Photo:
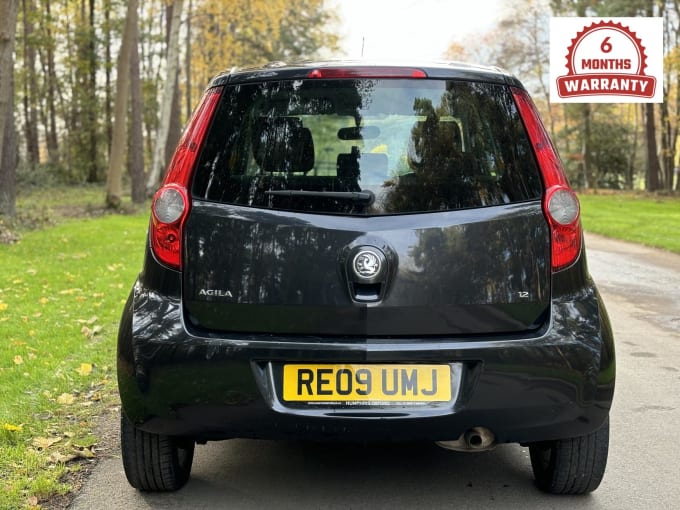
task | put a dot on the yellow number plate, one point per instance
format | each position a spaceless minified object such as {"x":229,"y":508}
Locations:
{"x":367,"y":383}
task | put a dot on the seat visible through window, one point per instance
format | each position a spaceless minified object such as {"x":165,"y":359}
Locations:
{"x":281,"y":144}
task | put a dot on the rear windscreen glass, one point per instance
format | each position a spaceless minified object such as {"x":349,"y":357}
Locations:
{"x":367,"y":147}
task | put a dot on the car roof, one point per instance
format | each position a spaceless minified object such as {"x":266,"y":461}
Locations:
{"x":433,"y":69}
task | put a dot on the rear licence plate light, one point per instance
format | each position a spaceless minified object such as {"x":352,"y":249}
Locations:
{"x":366,"y":384}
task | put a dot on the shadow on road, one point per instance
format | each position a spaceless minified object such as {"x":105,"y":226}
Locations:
{"x":264,"y":474}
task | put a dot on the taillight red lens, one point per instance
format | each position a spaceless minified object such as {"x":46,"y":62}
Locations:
{"x":171,"y":202}
{"x":366,"y":72}
{"x":560,"y":204}
{"x":169,"y":209}
{"x":563,"y":212}
{"x":182,"y":164}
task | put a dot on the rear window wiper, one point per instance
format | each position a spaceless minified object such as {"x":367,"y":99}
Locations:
{"x":366,"y":197}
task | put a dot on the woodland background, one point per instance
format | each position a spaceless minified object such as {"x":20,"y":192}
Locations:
{"x":97,"y":91}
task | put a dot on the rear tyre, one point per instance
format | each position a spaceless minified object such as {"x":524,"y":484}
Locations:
{"x":154,"y":462}
{"x":571,"y":466}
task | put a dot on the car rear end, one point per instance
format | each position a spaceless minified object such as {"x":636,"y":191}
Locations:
{"x":354,"y":252}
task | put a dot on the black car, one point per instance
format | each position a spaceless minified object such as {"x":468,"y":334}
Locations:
{"x":353,"y":252}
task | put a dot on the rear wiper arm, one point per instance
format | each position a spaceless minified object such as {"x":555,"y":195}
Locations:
{"x":358,"y":196}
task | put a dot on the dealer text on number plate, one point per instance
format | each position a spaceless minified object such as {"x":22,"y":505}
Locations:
{"x":366,"y":383}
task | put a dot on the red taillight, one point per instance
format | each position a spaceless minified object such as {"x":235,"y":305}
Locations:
{"x":560,"y":204}
{"x":562,"y":210}
{"x":366,"y":72}
{"x":171,"y":203}
{"x":182,"y":164}
{"x":168,"y":210}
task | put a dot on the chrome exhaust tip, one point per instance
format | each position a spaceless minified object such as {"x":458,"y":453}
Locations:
{"x":476,"y":439}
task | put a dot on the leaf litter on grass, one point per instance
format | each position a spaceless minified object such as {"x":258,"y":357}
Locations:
{"x":56,"y":376}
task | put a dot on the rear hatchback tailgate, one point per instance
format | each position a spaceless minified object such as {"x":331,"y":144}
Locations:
{"x":367,"y":207}
{"x":467,"y":272}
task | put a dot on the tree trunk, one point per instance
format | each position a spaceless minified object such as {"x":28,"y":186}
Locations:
{"x":674,"y":135}
{"x":585,"y":147}
{"x":8,"y":24}
{"x":91,"y":98}
{"x":666,"y":154}
{"x":51,"y":140}
{"x":175,"y":129}
{"x":136,"y":160}
{"x":8,"y":164}
{"x":187,"y":64}
{"x":167,"y":100}
{"x":30,"y":89}
{"x":107,"y":74}
{"x":119,"y":139}
{"x":633,"y":151}
{"x":653,"y":167}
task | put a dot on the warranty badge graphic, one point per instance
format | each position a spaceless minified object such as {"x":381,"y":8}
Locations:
{"x":607,"y":60}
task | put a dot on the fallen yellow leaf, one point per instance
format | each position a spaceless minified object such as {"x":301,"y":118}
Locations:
{"x":84,"y":453}
{"x":3,"y":307}
{"x":43,"y":300}
{"x":69,"y":291}
{"x":65,"y":399}
{"x":45,"y":442}
{"x":60,"y":458}
{"x":85,"y":369}
{"x":12,"y":428}
{"x":18,"y":360}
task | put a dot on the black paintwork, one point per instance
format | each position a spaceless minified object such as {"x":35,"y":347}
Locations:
{"x":300,"y":70}
{"x":553,"y":383}
{"x":451,"y":273}
{"x":209,"y":366}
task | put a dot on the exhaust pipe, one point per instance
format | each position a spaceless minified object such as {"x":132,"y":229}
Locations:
{"x":476,"y":439}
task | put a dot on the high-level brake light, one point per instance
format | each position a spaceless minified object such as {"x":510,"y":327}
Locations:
{"x":366,"y":72}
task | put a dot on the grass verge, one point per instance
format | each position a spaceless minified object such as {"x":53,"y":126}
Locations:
{"x":644,"y":219}
{"x":61,"y":294}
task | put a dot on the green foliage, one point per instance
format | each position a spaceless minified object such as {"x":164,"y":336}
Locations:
{"x":61,"y":293}
{"x":246,"y":33}
{"x":612,"y":144}
{"x":610,"y":152}
{"x":65,"y":68}
{"x":638,"y":218}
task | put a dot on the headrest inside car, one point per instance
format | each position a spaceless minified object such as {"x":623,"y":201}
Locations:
{"x":282,"y":144}
{"x":433,"y":141}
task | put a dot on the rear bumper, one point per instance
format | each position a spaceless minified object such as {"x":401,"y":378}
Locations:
{"x":557,"y":384}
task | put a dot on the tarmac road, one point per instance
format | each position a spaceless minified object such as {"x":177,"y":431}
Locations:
{"x":641,"y":288}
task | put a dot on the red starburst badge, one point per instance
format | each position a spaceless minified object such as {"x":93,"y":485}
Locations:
{"x":606,"y":58}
